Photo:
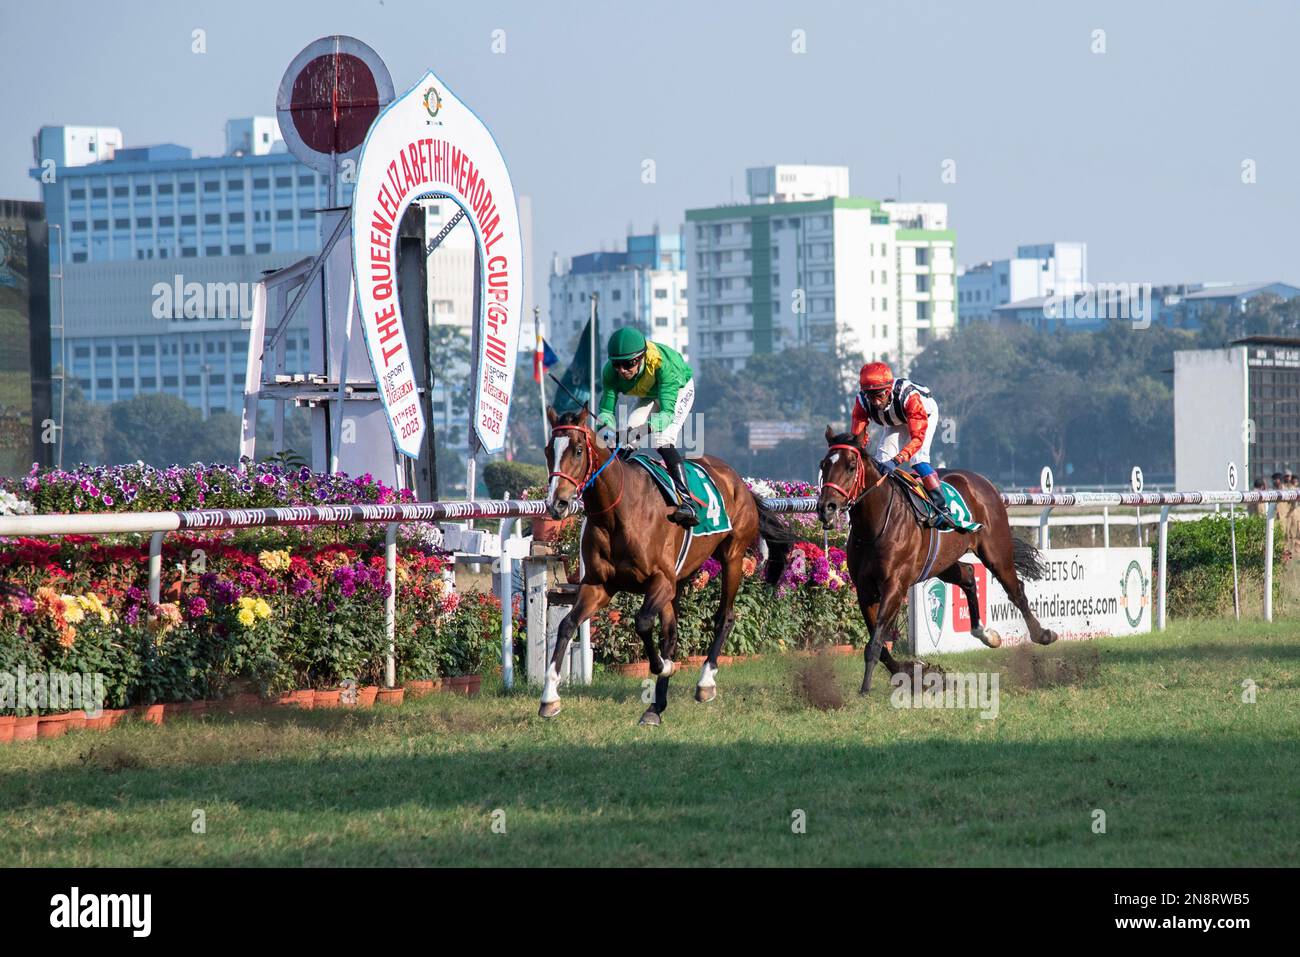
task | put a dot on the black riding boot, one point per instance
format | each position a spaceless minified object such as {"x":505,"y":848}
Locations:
{"x":685,"y":514}
{"x":937,"y":500}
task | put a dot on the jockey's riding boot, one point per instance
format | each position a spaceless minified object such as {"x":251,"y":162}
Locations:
{"x":937,"y":500}
{"x":684,"y":514}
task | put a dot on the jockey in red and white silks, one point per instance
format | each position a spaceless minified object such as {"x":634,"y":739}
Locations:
{"x":908,"y":416}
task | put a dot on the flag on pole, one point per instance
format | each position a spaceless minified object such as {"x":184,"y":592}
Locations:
{"x":543,"y":358}
{"x":578,"y":377}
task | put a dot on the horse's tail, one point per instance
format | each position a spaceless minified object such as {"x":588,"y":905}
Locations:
{"x":1028,"y":560}
{"x":774,"y":540}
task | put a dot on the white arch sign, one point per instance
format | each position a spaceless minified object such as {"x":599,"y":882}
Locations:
{"x":428,"y":141}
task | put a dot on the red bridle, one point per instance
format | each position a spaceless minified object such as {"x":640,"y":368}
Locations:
{"x":591,"y":472}
{"x":858,"y":487}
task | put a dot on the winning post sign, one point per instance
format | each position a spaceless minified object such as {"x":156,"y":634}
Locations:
{"x":428,"y":142}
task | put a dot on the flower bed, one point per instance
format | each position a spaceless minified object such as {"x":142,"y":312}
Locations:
{"x":258,"y":610}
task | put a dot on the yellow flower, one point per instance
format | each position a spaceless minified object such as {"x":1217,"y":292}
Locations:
{"x":247,"y":603}
{"x":261,"y":608}
{"x":246,"y":617}
{"x":73,"y":613}
{"x":274,"y":561}
{"x":90,"y":602}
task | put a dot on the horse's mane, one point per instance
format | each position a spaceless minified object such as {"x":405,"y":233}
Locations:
{"x":844,"y":438}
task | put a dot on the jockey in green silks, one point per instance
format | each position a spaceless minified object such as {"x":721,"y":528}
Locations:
{"x":659,"y":378}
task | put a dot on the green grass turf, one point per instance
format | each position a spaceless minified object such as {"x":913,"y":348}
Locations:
{"x":1151,"y":730}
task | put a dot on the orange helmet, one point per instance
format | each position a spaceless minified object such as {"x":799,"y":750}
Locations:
{"x":875,"y":375}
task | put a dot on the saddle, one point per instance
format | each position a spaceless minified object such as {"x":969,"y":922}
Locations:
{"x":958,"y":517}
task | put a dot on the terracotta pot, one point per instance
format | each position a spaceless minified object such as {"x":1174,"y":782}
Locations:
{"x":102,"y":723}
{"x":391,"y":695}
{"x":366,"y":696}
{"x":176,"y":709}
{"x":6,"y":728}
{"x":467,"y":685}
{"x":115,"y":716}
{"x":197,"y":708}
{"x":326,"y":699}
{"x":242,"y":702}
{"x":726,"y":660}
{"x":547,"y":529}
{"x":151,"y":713}
{"x":285,"y":699}
{"x":76,"y":720}
{"x":842,"y":650}
{"x":418,"y":689}
{"x":53,"y":725}
{"x":696,"y":661}
{"x":636,"y":669}
{"x":25,"y":728}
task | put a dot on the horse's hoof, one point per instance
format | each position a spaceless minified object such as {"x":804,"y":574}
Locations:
{"x":651,"y":718}
{"x":707,"y":693}
{"x":548,"y":709}
{"x":987,"y":635}
{"x":1047,"y":637}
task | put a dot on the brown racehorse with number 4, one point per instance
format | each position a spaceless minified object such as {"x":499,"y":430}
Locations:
{"x":889,"y":550}
{"x":629,"y":545}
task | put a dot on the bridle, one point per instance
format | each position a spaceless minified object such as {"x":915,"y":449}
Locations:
{"x":592,"y":473}
{"x":857,"y":489}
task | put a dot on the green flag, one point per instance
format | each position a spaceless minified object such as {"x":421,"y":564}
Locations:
{"x":578,"y":376}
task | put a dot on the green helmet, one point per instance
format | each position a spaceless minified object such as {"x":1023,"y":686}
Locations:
{"x":626,"y":343}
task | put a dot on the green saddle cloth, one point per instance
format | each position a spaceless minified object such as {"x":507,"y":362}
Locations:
{"x":713,"y":516}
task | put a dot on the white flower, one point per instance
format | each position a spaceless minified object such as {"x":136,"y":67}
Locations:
{"x":11,"y":504}
{"x":761,"y":488}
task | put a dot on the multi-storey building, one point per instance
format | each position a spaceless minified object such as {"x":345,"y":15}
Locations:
{"x":643,"y":286}
{"x":805,"y":264}
{"x":159,"y":252}
{"x":1040,"y":270}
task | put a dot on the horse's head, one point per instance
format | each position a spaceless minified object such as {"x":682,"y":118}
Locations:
{"x":570,"y":457}
{"x":846,"y":473}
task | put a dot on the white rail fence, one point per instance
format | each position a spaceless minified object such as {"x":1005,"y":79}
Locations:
{"x":510,"y":545}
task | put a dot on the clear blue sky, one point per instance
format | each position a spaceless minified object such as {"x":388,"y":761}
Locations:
{"x":1137,"y":151}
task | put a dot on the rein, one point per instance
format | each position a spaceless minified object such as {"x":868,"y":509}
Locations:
{"x":592,"y":473}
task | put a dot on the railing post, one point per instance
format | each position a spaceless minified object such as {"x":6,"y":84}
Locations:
{"x":1044,"y":532}
{"x":155,"y":567}
{"x":1269,"y":512}
{"x":505,"y":591}
{"x":390,"y":605}
{"x":1164,"y":566}
{"x":1105,"y":526}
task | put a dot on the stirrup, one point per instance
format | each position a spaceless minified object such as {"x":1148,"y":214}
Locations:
{"x":684,"y":515}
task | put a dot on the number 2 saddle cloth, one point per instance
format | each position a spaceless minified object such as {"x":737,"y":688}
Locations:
{"x":959,"y":513}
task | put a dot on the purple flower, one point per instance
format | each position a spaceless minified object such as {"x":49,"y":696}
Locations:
{"x":348,"y":588}
{"x":301,"y":586}
{"x":198,"y":607}
{"x":711,"y":567}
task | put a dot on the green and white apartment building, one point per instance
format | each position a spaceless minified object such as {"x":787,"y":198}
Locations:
{"x":804,"y":263}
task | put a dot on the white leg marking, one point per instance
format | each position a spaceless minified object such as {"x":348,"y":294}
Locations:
{"x":667,"y":670}
{"x":707,"y":676}
{"x":551,"y":689}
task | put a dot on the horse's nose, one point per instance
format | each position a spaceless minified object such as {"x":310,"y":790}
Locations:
{"x":557,"y":508}
{"x":827,"y":512}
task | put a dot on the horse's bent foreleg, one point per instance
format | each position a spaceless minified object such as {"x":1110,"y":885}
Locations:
{"x":591,"y":599}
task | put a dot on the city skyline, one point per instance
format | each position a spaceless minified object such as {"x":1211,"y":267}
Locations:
{"x":1056,"y":151}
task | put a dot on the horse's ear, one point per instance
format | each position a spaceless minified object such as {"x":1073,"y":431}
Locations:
{"x":586,"y":414}
{"x":830,"y":434}
{"x":551,"y":417}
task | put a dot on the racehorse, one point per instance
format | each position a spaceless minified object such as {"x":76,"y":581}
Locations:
{"x":628,"y":545}
{"x":889,"y":551}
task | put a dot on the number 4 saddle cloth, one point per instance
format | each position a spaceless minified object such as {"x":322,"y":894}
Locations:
{"x":959,"y":513}
{"x":708,"y":500}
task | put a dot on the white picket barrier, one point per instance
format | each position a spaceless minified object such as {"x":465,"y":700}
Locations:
{"x":510,"y":546}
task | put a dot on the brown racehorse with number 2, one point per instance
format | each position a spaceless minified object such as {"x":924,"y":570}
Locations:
{"x":888,"y":548}
{"x":628,"y":545}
